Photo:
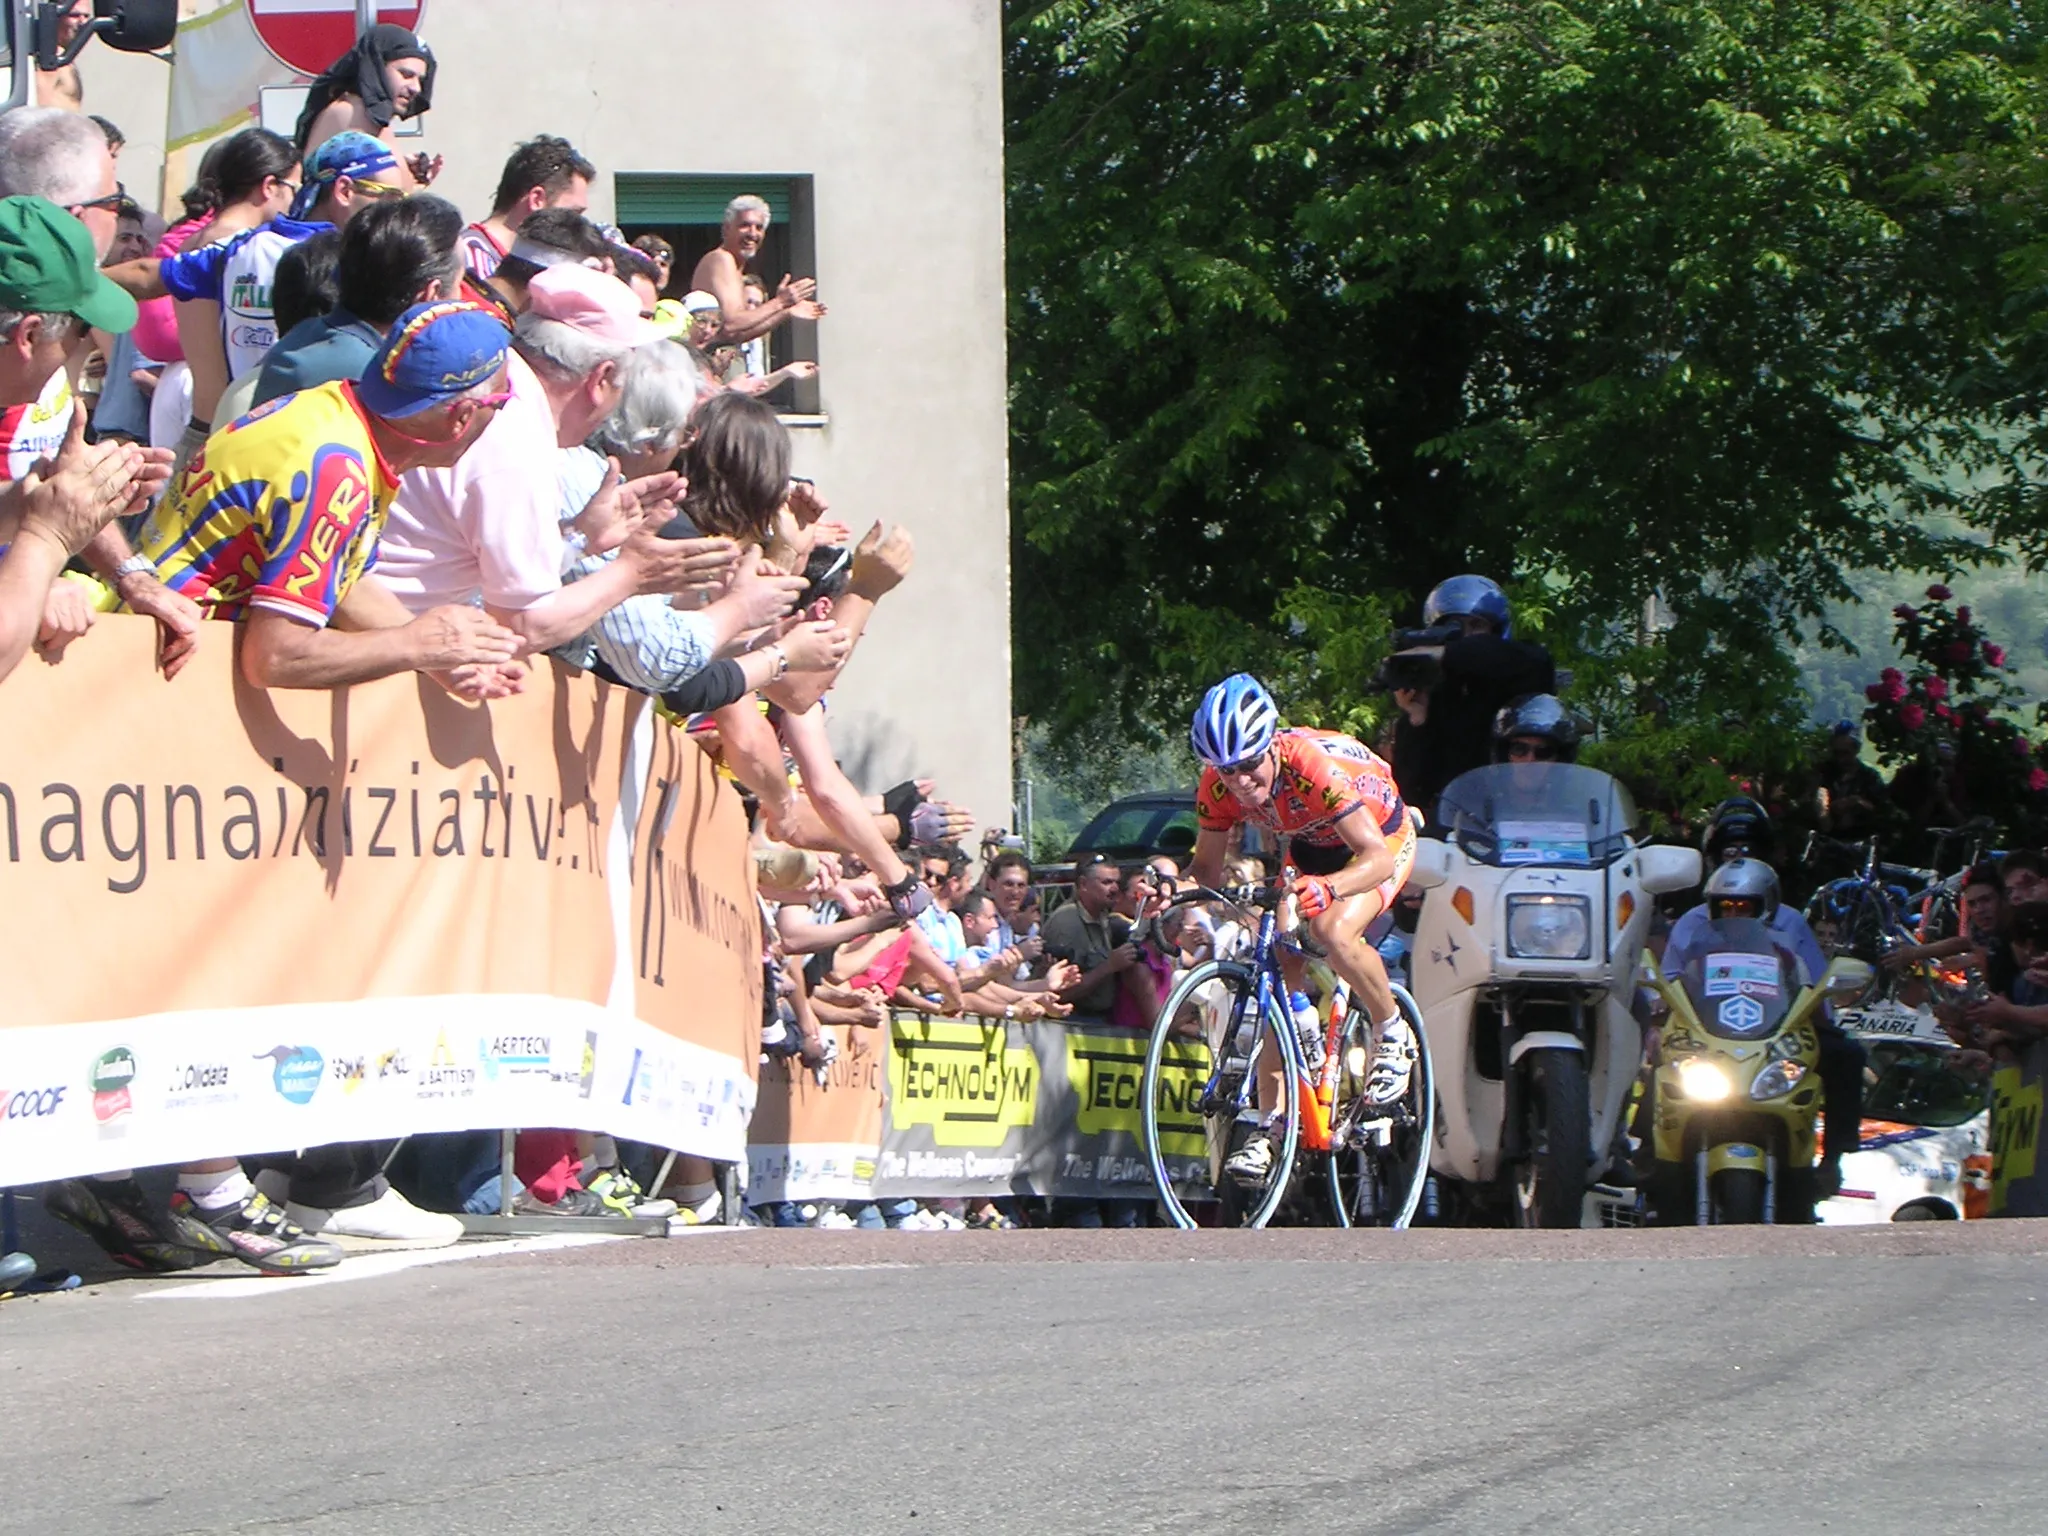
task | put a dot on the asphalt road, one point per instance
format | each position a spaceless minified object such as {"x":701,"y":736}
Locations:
{"x":1868,"y":1380}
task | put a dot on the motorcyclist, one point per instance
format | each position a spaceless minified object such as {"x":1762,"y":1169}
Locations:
{"x":1448,"y":709}
{"x":1535,"y":729}
{"x":1740,"y":833}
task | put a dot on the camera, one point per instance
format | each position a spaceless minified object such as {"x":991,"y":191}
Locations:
{"x":1416,"y":664}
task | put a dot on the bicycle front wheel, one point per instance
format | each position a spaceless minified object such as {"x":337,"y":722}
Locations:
{"x":1202,"y":1101}
{"x":1379,"y":1153}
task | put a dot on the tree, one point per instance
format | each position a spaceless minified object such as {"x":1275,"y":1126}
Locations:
{"x":1316,"y":302}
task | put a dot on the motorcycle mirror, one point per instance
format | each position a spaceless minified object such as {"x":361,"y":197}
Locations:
{"x":129,"y":26}
{"x":1846,"y":977}
{"x":1432,"y":864}
{"x":1665,"y":868}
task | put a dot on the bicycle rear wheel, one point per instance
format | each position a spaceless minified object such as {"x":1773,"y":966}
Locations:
{"x":1202,"y":1103}
{"x":1379,"y":1154}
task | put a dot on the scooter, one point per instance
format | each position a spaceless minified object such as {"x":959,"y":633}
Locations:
{"x":1738,"y":1080}
{"x":1536,"y":905}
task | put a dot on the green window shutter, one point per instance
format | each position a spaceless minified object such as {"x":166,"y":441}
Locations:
{"x":663,"y":198}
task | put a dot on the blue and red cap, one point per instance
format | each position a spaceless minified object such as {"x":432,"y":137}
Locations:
{"x":433,"y":354}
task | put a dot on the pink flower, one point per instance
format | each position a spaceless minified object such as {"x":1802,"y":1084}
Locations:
{"x":1894,"y":690}
{"x":1963,"y":614}
{"x":1937,"y":688}
{"x":1890,"y":675}
{"x":1904,"y":611}
{"x":1874,"y":693}
{"x":2037,"y":780}
{"x":1939,"y":593}
{"x":1944,"y":714}
{"x":1912,"y":717}
{"x":1995,"y":654}
{"x":1957,"y":650}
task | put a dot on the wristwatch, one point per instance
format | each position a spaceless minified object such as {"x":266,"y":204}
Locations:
{"x":134,"y":565}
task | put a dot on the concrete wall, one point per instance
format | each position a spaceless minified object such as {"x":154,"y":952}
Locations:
{"x":894,"y":107}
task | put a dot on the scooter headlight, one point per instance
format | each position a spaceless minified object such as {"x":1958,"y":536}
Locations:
{"x":1550,"y":928}
{"x":1777,"y":1080}
{"x":1704,"y":1082}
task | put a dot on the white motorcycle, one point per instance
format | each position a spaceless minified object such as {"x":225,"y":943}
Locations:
{"x":1536,"y":905}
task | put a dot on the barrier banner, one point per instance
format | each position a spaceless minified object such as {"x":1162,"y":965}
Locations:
{"x":965,"y":1107}
{"x":241,"y":921}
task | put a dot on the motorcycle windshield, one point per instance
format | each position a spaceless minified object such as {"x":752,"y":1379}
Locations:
{"x":1556,"y":814}
{"x":1741,"y":981}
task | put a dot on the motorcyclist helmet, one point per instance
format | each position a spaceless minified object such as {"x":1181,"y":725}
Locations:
{"x":1535,"y":728}
{"x":1468,"y":597}
{"x":1739,"y":822}
{"x":1235,"y":722}
{"x":1743,"y":888}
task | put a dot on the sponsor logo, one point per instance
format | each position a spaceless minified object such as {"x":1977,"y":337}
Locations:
{"x":393,"y":1064}
{"x":30,"y":1103}
{"x":348,"y":1071}
{"x":516,"y":1056}
{"x":589,"y":1074}
{"x":199,"y":1082}
{"x":295,"y":1071}
{"x":1742,"y":1013}
{"x":110,"y":1079}
{"x":443,"y":1077}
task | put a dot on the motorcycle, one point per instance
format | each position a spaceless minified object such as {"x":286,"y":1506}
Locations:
{"x":1738,"y":1080}
{"x":1535,"y":908}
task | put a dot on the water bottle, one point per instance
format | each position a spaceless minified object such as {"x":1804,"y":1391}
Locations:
{"x":1309,"y":1027}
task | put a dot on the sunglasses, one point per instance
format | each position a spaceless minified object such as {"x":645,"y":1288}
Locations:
{"x":113,"y":199}
{"x":1531,"y":752}
{"x":495,"y":401}
{"x":378,"y":188}
{"x":1239,"y":770}
{"x":1093,"y":861}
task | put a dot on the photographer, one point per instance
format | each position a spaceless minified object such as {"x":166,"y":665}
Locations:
{"x":1451,"y":678}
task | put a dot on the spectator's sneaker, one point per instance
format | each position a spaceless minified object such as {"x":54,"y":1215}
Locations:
{"x":989,"y":1219}
{"x":1251,"y":1163}
{"x":706,"y":1212}
{"x":622,"y":1195}
{"x":260,"y":1234}
{"x":920,"y":1221}
{"x":15,"y":1268}
{"x":832,"y":1219}
{"x":388,"y":1222}
{"x":574,"y":1202}
{"x":119,"y":1217}
{"x":946,"y":1221}
{"x":1393,"y":1063}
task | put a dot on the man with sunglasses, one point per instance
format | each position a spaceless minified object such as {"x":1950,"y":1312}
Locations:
{"x":276,"y":522}
{"x":1350,"y":841}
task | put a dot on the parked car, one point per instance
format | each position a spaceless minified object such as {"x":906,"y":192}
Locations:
{"x":1141,"y":827}
{"x":1925,"y":1145}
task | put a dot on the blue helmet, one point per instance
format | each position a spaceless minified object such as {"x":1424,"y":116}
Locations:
{"x":1461,"y":595}
{"x":1235,"y":721}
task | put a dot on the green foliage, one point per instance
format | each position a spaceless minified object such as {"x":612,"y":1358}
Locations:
{"x":1316,"y":302}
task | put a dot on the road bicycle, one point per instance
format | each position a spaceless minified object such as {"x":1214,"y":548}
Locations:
{"x":1203,"y":1084}
{"x":1862,"y":915}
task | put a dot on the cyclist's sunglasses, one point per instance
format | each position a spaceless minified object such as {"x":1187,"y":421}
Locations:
{"x":1238,"y":770}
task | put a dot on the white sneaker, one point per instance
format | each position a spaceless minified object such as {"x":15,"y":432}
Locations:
{"x":1253,"y":1162}
{"x":1393,"y":1063}
{"x":707,"y":1211}
{"x":833,"y":1219}
{"x":390,"y":1221}
{"x":920,"y":1221}
{"x":946,"y":1221}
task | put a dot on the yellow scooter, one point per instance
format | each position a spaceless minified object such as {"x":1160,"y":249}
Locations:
{"x":1738,"y":1081}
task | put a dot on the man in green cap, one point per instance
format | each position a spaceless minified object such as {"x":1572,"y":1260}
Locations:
{"x":50,"y":291}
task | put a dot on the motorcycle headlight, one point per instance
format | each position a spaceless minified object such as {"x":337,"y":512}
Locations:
{"x":1703,"y":1081}
{"x":1777,"y":1080}
{"x":1550,"y":928}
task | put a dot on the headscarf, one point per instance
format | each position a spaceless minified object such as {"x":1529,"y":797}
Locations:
{"x":360,"y":73}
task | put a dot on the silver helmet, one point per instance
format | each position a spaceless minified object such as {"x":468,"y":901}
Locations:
{"x":1748,"y":881}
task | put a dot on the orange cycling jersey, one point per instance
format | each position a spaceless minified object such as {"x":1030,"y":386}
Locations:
{"x":1321,"y":777}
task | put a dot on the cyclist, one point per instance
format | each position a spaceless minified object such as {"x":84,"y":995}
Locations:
{"x":1350,"y":842}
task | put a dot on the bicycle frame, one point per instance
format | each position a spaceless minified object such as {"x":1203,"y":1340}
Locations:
{"x":1318,"y":1089}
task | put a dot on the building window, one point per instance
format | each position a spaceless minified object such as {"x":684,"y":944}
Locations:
{"x":689,"y":211}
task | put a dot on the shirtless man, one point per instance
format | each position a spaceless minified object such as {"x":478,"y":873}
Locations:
{"x":61,"y":87}
{"x":722,"y":271}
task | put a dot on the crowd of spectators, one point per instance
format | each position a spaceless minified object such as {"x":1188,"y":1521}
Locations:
{"x":526,"y":446}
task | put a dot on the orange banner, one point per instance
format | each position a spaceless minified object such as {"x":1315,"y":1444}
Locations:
{"x":334,"y":916}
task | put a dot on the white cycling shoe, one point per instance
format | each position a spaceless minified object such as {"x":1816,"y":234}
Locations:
{"x":1251,"y":1163}
{"x":1393,"y":1065}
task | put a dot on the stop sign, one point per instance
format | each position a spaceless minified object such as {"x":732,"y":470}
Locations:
{"x":309,"y":35}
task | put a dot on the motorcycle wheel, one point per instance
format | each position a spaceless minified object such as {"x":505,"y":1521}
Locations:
{"x":1738,"y":1196}
{"x":1175,"y":1121}
{"x":1550,"y":1185}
